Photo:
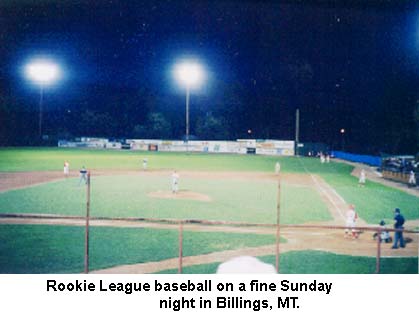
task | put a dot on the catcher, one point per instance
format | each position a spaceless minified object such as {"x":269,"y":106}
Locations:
{"x":384,"y":235}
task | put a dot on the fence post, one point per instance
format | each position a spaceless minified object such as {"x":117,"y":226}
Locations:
{"x":180,"y":246}
{"x":278,"y":207}
{"x":86,"y":240}
{"x":377,"y":264}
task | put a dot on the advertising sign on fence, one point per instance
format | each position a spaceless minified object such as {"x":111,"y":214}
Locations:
{"x":272,"y":147}
{"x":241,"y":146}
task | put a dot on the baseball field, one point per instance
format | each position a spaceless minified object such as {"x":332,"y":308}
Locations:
{"x":37,"y":234}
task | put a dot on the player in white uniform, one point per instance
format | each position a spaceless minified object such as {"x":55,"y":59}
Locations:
{"x":351,"y":217}
{"x":361,"y":181}
{"x":277,"y":167}
{"x":66,"y":168}
{"x":322,"y":160}
{"x":412,"y":179}
{"x":175,"y":182}
{"x":145,"y":164}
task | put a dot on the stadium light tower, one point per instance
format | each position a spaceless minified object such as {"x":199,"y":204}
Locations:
{"x":189,"y":74}
{"x":342,"y":132}
{"x":42,"y":72}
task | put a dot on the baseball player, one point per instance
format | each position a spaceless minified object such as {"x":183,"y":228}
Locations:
{"x":327,"y":158}
{"x":277,"y":167}
{"x":384,"y":235}
{"x":361,"y":181}
{"x":66,"y":168}
{"x":145,"y":164}
{"x":83,"y":175}
{"x":175,"y":182}
{"x":351,"y":217}
{"x":322,"y":160}
{"x":412,"y":179}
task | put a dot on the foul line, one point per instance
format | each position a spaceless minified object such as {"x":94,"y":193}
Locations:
{"x":336,"y":193}
{"x":324,"y":191}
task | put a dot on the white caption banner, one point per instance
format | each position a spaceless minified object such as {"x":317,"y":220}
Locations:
{"x":221,"y":293}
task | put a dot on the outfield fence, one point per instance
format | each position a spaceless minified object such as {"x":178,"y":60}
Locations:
{"x":365,"y":159}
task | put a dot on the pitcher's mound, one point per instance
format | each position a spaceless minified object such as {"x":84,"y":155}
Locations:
{"x":181,"y":195}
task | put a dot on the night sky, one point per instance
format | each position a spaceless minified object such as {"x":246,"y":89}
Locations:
{"x":354,"y":65}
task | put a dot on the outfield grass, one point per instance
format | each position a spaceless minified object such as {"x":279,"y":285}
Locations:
{"x":42,"y":159}
{"x":126,"y":196}
{"x":317,"y":262}
{"x":60,"y":249}
{"x":52,"y":159}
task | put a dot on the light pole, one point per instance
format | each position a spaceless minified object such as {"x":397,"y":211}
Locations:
{"x":42,"y":72}
{"x":342,"y":131}
{"x":190,"y":75}
{"x":187,"y":113}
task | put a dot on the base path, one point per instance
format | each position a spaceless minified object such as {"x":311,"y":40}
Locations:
{"x":297,"y":239}
{"x":327,"y":240}
{"x":336,"y":204}
{"x":20,"y":180}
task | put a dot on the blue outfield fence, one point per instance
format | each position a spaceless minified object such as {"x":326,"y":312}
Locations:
{"x":365,"y":159}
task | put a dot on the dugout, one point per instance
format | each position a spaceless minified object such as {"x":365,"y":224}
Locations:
{"x":398,"y":168}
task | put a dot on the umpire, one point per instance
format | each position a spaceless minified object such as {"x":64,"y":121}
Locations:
{"x":398,"y":235}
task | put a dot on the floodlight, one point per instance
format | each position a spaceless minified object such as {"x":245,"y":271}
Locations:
{"x":189,"y":74}
{"x":42,"y":71}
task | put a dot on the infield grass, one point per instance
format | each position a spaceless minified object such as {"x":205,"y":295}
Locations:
{"x":127,"y":196}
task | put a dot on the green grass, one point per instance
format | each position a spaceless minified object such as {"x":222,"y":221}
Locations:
{"x":318,"y":262}
{"x":42,"y":159}
{"x":374,"y":201}
{"x":126,"y":196}
{"x":60,"y":249}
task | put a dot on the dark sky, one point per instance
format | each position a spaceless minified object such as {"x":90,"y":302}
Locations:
{"x":354,"y":65}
